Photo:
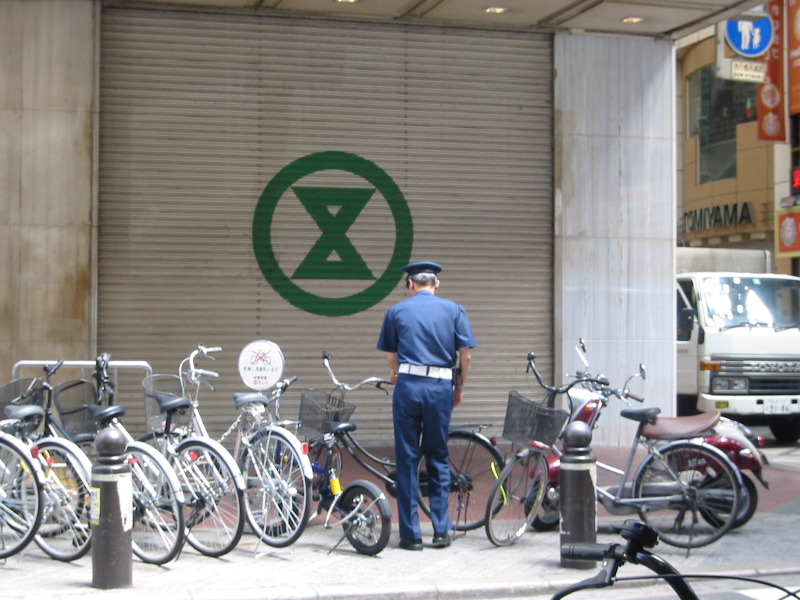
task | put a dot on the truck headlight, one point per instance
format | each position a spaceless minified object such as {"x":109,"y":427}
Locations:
{"x":729,"y":384}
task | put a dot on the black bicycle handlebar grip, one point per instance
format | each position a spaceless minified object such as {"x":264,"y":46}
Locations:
{"x":326,"y":355}
{"x":636,"y":397}
{"x":595,"y":552}
{"x":291,"y":380}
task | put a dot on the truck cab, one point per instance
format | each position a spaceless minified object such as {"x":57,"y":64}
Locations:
{"x":738,"y":347}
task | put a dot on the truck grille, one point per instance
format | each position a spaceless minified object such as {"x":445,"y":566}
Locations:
{"x":765,"y":376}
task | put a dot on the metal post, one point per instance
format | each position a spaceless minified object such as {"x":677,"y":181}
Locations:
{"x":578,"y":502}
{"x":112,"y":513}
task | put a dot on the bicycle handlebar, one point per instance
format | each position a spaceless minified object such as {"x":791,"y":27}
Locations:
{"x":589,"y":551}
{"x":378,"y":382}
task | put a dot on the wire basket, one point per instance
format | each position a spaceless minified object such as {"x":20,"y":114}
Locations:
{"x":72,"y":400}
{"x":164,"y":385}
{"x":528,"y":421}
{"x":20,"y":391}
{"x":318,"y":407}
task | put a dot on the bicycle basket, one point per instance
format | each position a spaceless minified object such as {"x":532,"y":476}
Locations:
{"x":163,"y":385}
{"x":318,"y":407}
{"x":13,"y":392}
{"x":72,"y":400}
{"x":528,"y":421}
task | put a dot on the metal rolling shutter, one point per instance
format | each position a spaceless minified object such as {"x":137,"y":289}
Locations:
{"x":200,"y":111}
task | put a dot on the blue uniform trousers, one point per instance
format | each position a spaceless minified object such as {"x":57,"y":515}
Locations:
{"x":421,"y":408}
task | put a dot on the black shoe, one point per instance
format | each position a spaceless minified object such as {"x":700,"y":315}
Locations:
{"x":441,"y":540}
{"x":410,"y":544}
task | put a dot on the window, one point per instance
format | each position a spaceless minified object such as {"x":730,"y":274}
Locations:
{"x":715,"y":107}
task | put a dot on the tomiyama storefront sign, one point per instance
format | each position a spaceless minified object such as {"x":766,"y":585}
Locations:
{"x":320,"y":226}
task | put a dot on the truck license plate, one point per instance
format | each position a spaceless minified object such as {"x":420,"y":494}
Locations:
{"x":776,"y":407}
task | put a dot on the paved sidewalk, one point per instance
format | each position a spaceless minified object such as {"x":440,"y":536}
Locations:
{"x":472,"y":568}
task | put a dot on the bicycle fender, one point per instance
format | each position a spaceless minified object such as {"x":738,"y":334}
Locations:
{"x":305,"y":462}
{"x":238,"y":478}
{"x":376,"y":491}
{"x":26,"y":452}
{"x":156,"y":456}
{"x":721,"y":456}
{"x":72,"y":448}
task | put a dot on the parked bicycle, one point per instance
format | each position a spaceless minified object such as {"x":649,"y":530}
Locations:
{"x":275,"y":472}
{"x":474,"y":460}
{"x":65,"y":529}
{"x":687,"y":489}
{"x":640,"y":538}
{"x":211,"y":480}
{"x":84,"y":408}
{"x":21,"y":496}
{"x":519,"y":491}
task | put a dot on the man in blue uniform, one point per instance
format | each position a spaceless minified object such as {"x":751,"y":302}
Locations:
{"x":424,"y":338}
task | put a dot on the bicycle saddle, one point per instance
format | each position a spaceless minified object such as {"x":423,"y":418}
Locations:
{"x":642,"y":415}
{"x":170,"y":402}
{"x":336,"y":427}
{"x":242,"y":398}
{"x":681,"y":426}
{"x":22,"y":412}
{"x":102,"y":414}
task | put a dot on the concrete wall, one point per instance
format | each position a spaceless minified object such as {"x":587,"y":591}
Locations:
{"x":48,"y":61}
{"x":615,"y":214}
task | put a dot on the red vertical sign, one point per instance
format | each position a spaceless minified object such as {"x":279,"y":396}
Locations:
{"x":793,"y":37}
{"x":771,"y":105}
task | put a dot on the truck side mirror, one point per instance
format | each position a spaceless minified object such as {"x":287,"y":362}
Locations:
{"x":685,"y":324}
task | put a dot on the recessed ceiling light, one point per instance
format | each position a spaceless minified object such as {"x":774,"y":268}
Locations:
{"x":633,"y":19}
{"x":346,"y":1}
{"x":496,"y":10}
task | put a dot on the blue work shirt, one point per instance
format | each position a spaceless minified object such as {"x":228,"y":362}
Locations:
{"x":426,"y":330}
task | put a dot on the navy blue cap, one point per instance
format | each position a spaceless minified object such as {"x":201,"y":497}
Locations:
{"x":422,"y":267}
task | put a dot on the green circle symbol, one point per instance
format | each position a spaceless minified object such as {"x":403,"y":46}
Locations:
{"x":265,"y":253}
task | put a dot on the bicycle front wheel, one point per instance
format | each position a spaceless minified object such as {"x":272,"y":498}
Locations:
{"x":278,"y":492}
{"x":65,"y":532}
{"x":475,"y":464}
{"x":21,"y":498}
{"x":366,"y":517}
{"x":214,"y":510}
{"x":516,"y":497}
{"x":158,"y":521}
{"x":690,"y":494}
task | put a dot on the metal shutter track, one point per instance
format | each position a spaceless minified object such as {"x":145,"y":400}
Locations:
{"x":200,"y":111}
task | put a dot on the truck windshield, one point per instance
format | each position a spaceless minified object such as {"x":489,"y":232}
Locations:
{"x":751,"y":301}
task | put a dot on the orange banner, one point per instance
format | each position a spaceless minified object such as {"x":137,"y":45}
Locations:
{"x":787,"y":229}
{"x":771,"y":106}
{"x":793,"y":36}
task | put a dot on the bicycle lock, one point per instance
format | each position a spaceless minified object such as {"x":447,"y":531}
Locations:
{"x":578,"y":501}
{"x":112,"y":512}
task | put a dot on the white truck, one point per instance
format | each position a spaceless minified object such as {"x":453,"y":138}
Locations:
{"x":738,"y":338}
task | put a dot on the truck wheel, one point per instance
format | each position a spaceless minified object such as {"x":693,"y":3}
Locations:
{"x":786,"y":430}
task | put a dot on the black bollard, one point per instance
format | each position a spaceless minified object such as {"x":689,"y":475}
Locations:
{"x":577,"y":499}
{"x":112,"y":513}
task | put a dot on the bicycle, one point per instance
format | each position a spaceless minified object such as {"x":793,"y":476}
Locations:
{"x":687,"y":489}
{"x":474,"y":461}
{"x":274,"y":469}
{"x":518,"y":493}
{"x":84,"y":408}
{"x":22,"y":496}
{"x":65,"y":529}
{"x":640,"y":538}
{"x":211,"y":480}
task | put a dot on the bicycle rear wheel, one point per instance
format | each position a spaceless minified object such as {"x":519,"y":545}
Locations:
{"x":65,"y":532}
{"x":278,"y":493}
{"x":214,"y":510}
{"x":475,"y":464}
{"x":516,"y":497}
{"x":692,"y":494}
{"x":21,"y":498}
{"x":158,"y":521}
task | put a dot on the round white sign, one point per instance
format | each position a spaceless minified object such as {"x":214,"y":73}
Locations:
{"x":261,"y":365}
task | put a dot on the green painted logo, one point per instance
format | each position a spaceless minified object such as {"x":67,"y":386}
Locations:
{"x":334,"y":210}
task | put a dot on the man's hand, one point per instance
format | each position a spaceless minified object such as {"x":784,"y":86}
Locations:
{"x":458,"y":395}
